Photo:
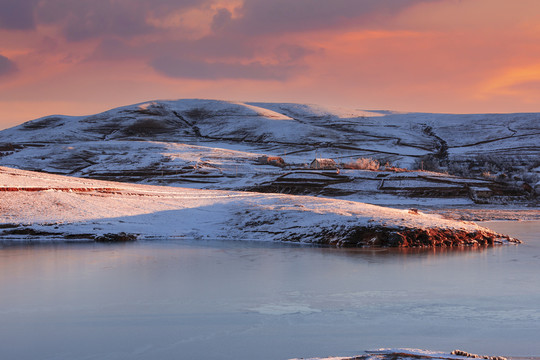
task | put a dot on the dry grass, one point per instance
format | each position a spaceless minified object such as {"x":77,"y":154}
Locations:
{"x":363,"y":164}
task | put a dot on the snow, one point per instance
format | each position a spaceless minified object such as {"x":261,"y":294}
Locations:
{"x":380,"y":132}
{"x":309,"y":175}
{"x":416,"y":183}
{"x":314,"y":110}
{"x":212,"y":144}
{"x":115,"y":140}
{"x":285,"y":309}
{"x":398,"y":354}
{"x":266,"y":112}
{"x":74,"y":205}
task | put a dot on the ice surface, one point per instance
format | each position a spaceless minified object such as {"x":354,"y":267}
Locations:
{"x":235,"y":300}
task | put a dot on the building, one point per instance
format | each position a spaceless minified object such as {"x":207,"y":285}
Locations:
{"x":323,"y":164}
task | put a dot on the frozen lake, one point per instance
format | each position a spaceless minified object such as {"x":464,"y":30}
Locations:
{"x":239,"y":300}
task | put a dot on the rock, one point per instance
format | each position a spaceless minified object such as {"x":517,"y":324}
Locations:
{"x":362,"y":236}
{"x":120,"y":237}
{"x":475,"y":356}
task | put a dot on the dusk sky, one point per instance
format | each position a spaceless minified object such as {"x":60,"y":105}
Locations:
{"x":79,"y":57}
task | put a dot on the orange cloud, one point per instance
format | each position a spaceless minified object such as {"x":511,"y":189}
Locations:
{"x":516,"y":82}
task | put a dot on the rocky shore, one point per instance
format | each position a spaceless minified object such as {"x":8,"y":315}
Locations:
{"x":404,"y":238}
{"x":361,"y":237}
{"x":412,"y":354}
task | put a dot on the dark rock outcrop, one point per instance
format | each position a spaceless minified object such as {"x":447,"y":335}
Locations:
{"x":114,"y":238}
{"x":365,"y":236}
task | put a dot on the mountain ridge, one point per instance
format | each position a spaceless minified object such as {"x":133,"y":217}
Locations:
{"x":216,"y":144}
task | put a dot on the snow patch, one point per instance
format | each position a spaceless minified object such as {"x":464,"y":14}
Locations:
{"x":284,"y":309}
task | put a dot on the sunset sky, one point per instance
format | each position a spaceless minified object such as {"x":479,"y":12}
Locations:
{"x":80,"y":57}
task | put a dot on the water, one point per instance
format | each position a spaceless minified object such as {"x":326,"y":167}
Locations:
{"x":238,"y":300}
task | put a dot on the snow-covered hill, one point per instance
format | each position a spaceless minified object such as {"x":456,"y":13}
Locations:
{"x":215,"y":144}
{"x":39,"y":206}
{"x":334,"y":132}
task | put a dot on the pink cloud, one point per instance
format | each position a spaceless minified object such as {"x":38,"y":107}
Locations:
{"x":17,"y":14}
{"x":425,"y":55}
{"x":284,"y":16}
{"x":183,"y":68}
{"x":6,"y":66}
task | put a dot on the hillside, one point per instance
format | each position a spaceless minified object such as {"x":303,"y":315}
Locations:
{"x":40,"y":207}
{"x":218,"y":145}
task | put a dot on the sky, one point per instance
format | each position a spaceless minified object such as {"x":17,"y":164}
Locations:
{"x":78,"y":57}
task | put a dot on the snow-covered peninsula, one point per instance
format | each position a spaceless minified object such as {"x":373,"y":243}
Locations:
{"x":39,"y":206}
